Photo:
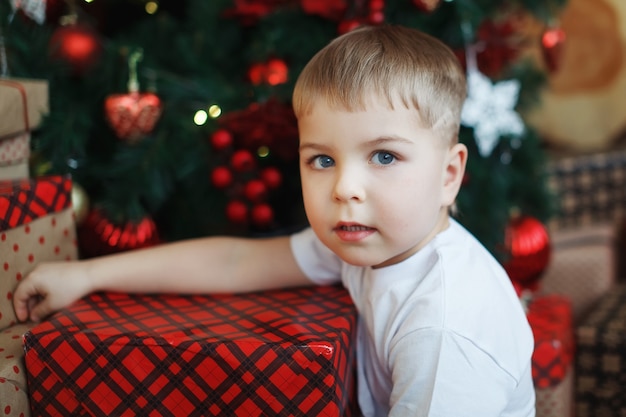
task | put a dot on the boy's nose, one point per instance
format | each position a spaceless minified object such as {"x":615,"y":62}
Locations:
{"x":348,"y":186}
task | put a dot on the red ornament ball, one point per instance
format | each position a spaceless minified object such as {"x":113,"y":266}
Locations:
{"x":242,"y":160}
{"x":255,"y":190}
{"x":99,"y":235}
{"x":262,"y":214}
{"x":271,"y":177}
{"x":221,"y":177}
{"x":221,"y":139}
{"x":527,"y":243}
{"x":237,"y":212}
{"x":77,"y":45}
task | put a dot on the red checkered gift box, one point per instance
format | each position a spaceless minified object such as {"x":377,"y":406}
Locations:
{"x":550,"y":318}
{"x":286,"y":353}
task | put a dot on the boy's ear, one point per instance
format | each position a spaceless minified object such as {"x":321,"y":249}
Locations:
{"x":454,"y":173}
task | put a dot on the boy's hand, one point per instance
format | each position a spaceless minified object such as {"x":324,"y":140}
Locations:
{"x":48,"y":288}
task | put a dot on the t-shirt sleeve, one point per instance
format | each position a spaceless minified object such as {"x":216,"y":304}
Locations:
{"x":317,"y":262}
{"x":438,"y":373}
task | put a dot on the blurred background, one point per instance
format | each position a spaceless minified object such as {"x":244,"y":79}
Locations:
{"x":174,"y":117}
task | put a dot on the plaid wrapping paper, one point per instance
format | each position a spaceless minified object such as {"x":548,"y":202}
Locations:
{"x":550,"y":317}
{"x":601,"y":358}
{"x":590,"y":188}
{"x":23,"y":102}
{"x":284,"y":353}
{"x":14,"y":154}
{"x":582,"y":266}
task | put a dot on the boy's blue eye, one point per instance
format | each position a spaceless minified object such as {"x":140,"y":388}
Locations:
{"x":383,"y":158}
{"x":323,"y":161}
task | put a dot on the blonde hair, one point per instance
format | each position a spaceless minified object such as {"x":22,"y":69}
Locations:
{"x":392,"y":62}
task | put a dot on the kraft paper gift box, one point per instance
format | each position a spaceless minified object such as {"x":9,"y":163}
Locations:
{"x":550,"y":317}
{"x":274,"y":353}
{"x":583,"y":265}
{"x":36,"y":224}
{"x":601,"y":358}
{"x":23,"y":103}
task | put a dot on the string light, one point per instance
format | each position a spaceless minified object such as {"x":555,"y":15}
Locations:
{"x":151,"y":7}
{"x":263,"y":151}
{"x":215,"y":111}
{"x":200,"y":117}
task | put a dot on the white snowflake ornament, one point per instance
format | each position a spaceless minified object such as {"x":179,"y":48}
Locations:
{"x":489,"y":109}
{"x":35,"y":9}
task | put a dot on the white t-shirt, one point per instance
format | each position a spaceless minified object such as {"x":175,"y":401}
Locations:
{"x":442,"y":333}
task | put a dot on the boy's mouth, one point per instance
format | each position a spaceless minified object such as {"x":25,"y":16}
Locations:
{"x":352,"y":232}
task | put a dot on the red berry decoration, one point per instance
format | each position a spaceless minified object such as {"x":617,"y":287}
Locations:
{"x":221,"y":139}
{"x":262,"y":214}
{"x":276,"y":72}
{"x":242,"y":161}
{"x":528,"y":245}
{"x":255,"y":190}
{"x":426,"y":5}
{"x":348,"y":25}
{"x":221,"y":177}
{"x":237,"y":212}
{"x":271,"y":177}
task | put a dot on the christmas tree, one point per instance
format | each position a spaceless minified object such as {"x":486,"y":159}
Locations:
{"x":174,"y":117}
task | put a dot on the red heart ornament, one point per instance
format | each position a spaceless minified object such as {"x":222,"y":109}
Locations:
{"x":133,"y":115}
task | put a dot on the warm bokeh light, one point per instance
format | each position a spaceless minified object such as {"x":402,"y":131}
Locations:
{"x":215,"y":111}
{"x":152,"y":7}
{"x":200,"y":117}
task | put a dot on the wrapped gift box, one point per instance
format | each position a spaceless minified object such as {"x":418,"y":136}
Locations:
{"x":590,"y":187}
{"x":582,"y":266}
{"x":13,"y":390}
{"x":36,"y":224}
{"x":550,"y":317}
{"x":14,"y":154}
{"x":287,"y":352}
{"x":23,"y":102}
{"x":601,"y":358}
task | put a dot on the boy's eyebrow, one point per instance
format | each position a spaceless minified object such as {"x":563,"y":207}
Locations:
{"x":369,"y":144}
{"x":313,"y":146}
{"x":386,"y":139}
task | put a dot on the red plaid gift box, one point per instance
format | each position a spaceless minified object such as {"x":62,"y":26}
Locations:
{"x":550,"y":318}
{"x":36,"y":224}
{"x":286,"y":353}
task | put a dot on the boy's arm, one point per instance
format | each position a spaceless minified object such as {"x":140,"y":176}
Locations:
{"x":207,"y":265}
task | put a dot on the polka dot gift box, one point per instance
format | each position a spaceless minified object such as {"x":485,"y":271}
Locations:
{"x":36,"y":225}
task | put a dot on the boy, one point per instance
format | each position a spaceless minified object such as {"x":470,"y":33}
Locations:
{"x":441,"y":330}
